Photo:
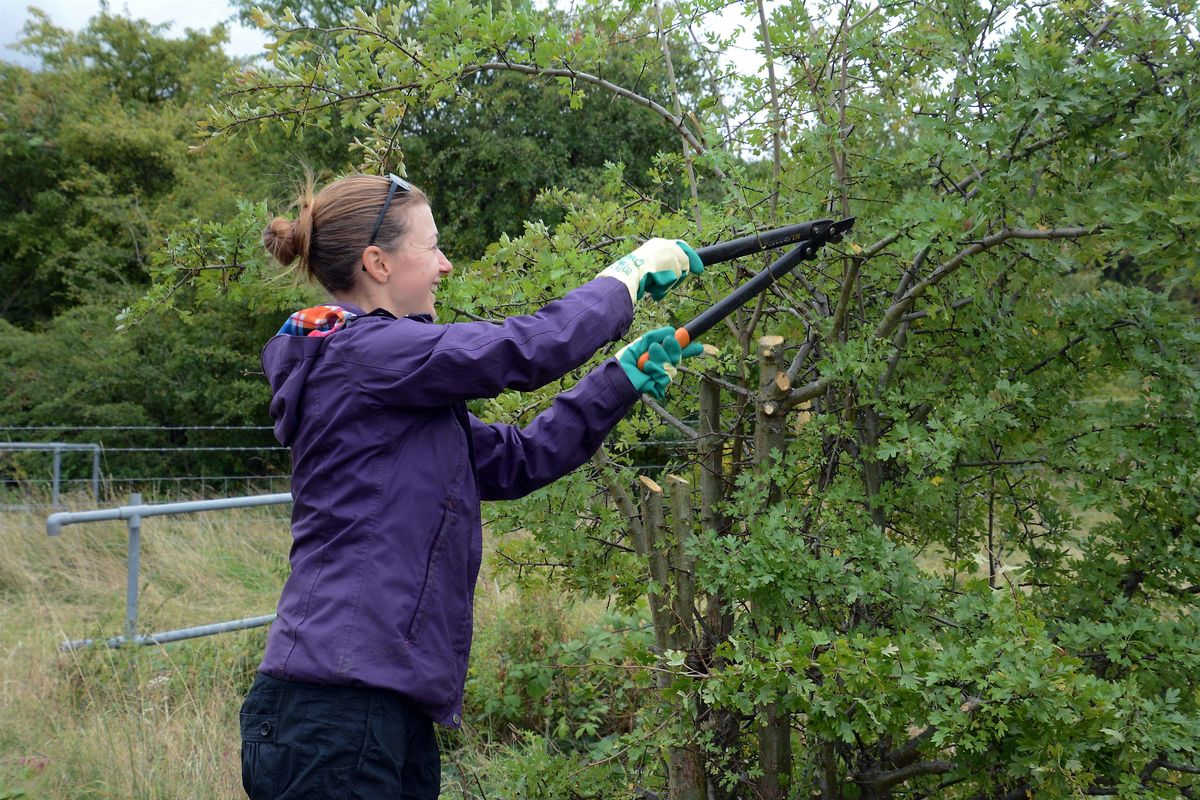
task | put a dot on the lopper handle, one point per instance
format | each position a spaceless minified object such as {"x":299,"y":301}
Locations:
{"x":681,"y":335}
{"x":808,"y":238}
{"x":759,"y":241}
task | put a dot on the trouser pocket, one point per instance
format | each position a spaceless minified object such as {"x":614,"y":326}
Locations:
{"x":260,"y":755}
{"x":301,"y":741}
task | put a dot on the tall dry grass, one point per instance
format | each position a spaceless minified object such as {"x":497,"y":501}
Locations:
{"x":150,"y":722}
{"x":159,"y":721}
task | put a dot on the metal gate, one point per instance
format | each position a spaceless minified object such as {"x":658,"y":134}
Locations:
{"x":133,"y":514}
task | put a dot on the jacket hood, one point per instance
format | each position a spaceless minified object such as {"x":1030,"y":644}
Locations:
{"x":287,"y":361}
{"x":288,"y":358}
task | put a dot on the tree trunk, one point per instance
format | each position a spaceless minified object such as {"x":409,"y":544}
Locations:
{"x":718,"y":620}
{"x":648,"y":546}
{"x":685,"y":766}
{"x":775,"y":736}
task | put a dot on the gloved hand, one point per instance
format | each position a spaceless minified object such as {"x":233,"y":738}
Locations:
{"x":665,"y":353}
{"x":655,"y":267}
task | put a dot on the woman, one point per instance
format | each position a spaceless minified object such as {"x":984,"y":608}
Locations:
{"x":388,"y":468}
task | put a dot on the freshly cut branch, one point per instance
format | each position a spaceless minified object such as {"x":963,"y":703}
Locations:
{"x":807,"y":392}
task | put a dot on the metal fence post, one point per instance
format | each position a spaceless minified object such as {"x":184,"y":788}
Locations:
{"x":131,"y":581}
{"x":96,"y":473}
{"x":56,"y":478}
{"x":54,"y":493}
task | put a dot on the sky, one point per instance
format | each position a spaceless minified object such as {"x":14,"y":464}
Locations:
{"x":74,"y":14}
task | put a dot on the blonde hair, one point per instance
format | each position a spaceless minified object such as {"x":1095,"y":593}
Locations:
{"x":333,"y":227}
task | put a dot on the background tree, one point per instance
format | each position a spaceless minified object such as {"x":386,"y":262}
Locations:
{"x":90,"y":153}
{"x":98,"y":169}
{"x":486,"y":155}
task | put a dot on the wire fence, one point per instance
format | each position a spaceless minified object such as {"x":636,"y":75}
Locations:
{"x":172,"y":463}
{"x":162,"y":463}
{"x":168,"y":463}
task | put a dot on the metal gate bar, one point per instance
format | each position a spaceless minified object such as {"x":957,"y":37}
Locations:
{"x":133,"y":514}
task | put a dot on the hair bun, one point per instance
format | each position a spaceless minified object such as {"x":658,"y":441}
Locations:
{"x":279,"y":237}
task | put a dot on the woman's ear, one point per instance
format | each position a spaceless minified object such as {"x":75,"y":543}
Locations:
{"x":375,"y":264}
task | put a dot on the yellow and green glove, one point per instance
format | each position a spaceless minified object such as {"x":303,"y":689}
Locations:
{"x":659,"y":370}
{"x":654,"y":268}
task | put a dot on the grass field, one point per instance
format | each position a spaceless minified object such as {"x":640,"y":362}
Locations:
{"x":161,"y":721}
{"x":148,"y":722}
{"x":134,"y":723}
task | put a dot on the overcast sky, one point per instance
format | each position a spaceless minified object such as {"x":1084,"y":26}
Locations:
{"x":74,"y":14}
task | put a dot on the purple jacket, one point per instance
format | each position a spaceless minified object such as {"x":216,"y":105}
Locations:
{"x":388,"y":469}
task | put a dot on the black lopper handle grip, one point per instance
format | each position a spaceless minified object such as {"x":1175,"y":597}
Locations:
{"x":757,"y":242}
{"x":820,"y":233}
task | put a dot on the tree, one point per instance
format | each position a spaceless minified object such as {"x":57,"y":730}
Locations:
{"x":97,"y":162}
{"x":92,"y":145}
{"x":486,"y":157}
{"x":97,"y":170}
{"x":947,"y":516}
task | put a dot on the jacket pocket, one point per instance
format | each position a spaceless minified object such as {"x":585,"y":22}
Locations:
{"x":431,"y":583}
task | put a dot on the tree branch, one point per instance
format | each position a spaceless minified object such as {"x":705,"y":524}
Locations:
{"x":670,"y":419}
{"x":807,"y":392}
{"x":1074,"y":340}
{"x":894,"y":314}
{"x":674,"y":121}
{"x":687,"y":153}
{"x":338,"y":100}
{"x":1186,"y":768}
{"x":849,"y":277}
{"x":910,"y":751}
{"x":733,"y":387}
{"x":607,"y":469}
{"x":957,"y":304}
{"x":883,"y":780}
{"x":776,"y":139}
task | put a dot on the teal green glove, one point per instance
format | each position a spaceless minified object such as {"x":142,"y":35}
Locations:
{"x":655,"y":267}
{"x":664,"y":352}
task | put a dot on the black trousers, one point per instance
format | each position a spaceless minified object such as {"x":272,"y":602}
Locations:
{"x":300,"y":740}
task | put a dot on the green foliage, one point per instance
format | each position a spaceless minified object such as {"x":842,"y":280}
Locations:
{"x":516,"y":139}
{"x":106,"y":191}
{"x":93,"y":143}
{"x":102,"y":161}
{"x":963,"y":563}
{"x":201,"y":368}
{"x":533,"y":768}
{"x":484,"y":157}
{"x":985,"y":546}
{"x":533,"y":673}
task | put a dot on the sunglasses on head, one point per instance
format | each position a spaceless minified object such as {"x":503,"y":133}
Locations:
{"x":397,"y":183}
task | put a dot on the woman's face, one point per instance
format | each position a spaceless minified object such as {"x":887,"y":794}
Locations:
{"x":419,"y":265}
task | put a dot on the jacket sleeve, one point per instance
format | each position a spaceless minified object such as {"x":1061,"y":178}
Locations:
{"x":414,"y":363}
{"x":512,"y":462}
